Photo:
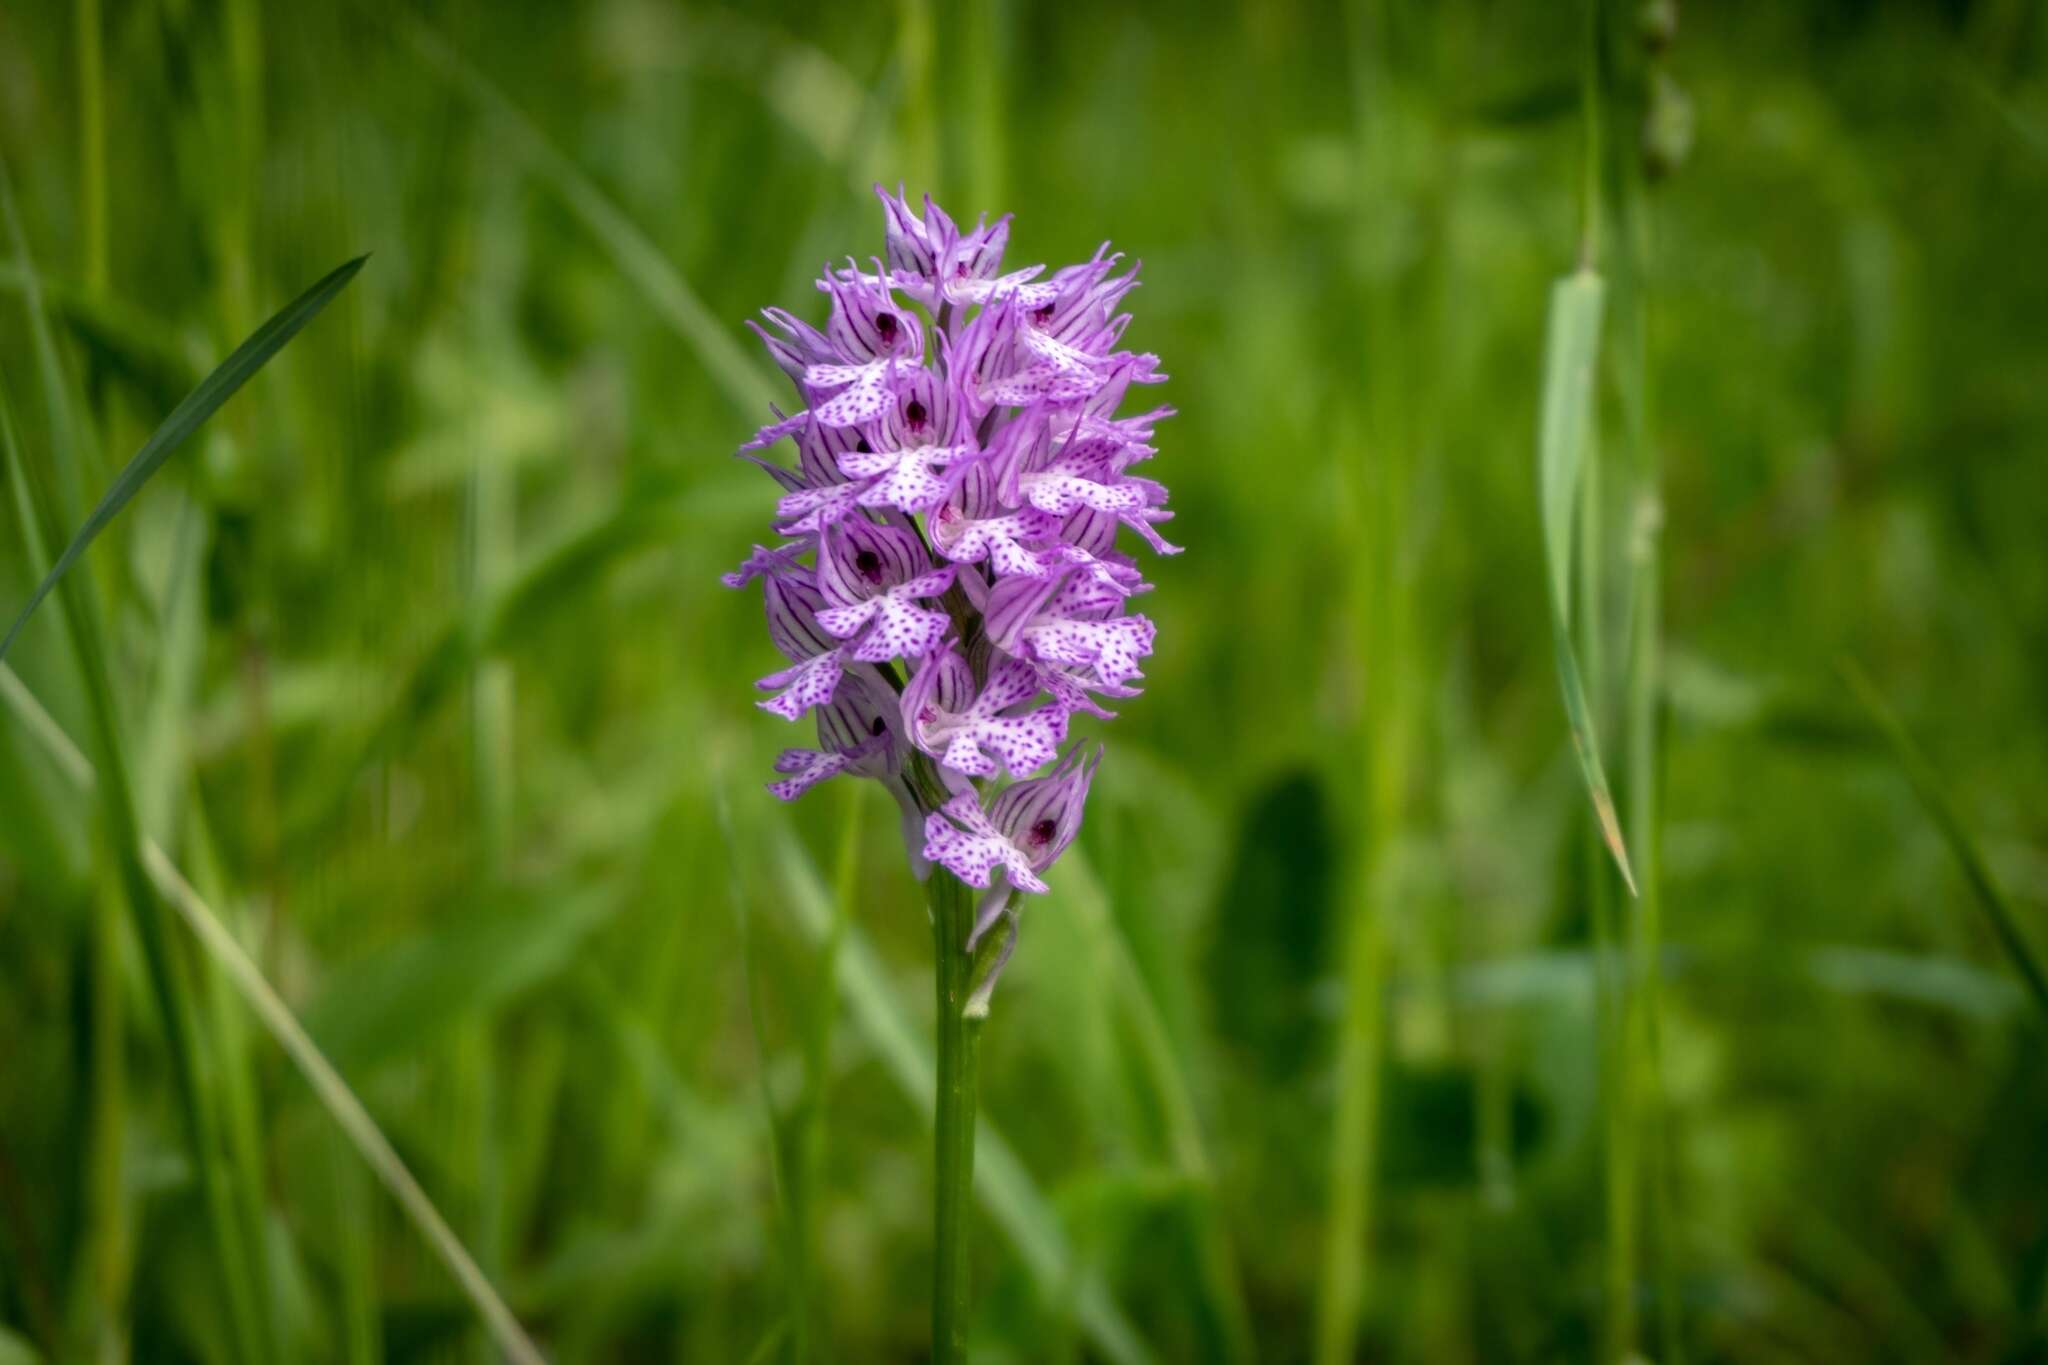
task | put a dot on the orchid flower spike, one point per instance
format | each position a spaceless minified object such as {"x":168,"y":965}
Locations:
{"x":943,"y":575}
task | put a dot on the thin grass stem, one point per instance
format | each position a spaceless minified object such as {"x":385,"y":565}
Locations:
{"x":1016,"y":1205}
{"x":92,"y":147}
{"x":169,"y":984}
{"x":277,"y":1018}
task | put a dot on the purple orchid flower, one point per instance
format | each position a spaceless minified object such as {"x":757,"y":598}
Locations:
{"x":946,"y":586}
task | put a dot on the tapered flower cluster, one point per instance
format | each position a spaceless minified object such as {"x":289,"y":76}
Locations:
{"x":945,"y":583}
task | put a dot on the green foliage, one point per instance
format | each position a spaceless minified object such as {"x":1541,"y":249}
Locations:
{"x":413,"y":666}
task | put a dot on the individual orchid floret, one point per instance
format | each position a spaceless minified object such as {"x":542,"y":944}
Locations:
{"x":818,"y":660}
{"x":1023,"y":831}
{"x":872,"y":577}
{"x":921,"y":435}
{"x":798,"y":348}
{"x":1072,"y":621}
{"x":857,"y":732}
{"x":1002,"y":367}
{"x":974,"y":731}
{"x":1003,"y":541}
{"x":818,"y":493}
{"x":877,"y":339}
{"x":970,"y":266}
{"x":910,"y":251}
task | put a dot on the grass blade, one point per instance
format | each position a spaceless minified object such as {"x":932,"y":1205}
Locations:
{"x":638,"y":258}
{"x":342,"y":1104}
{"x":1087,"y":899}
{"x":1571,"y":347}
{"x":242,"y":1272}
{"x":328,"y":1086}
{"x":1934,"y":797}
{"x":199,"y":405}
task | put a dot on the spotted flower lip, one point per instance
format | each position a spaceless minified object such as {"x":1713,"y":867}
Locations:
{"x":1022,"y":831}
{"x":944,"y":579}
{"x":859,"y":734}
{"x":976,"y":730}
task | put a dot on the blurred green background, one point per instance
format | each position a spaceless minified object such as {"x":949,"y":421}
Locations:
{"x":420,"y":671}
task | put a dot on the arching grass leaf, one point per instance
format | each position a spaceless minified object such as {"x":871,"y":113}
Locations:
{"x":214,"y":390}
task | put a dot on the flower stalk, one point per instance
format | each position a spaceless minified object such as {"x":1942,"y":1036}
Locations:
{"x":959,"y":1039}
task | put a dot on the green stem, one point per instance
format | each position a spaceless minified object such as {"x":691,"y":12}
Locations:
{"x":1591,"y":98}
{"x":112,"y":1239}
{"x":952,"y":907}
{"x":169,"y":987}
{"x":1354,"y":1134}
{"x":92,"y":140}
{"x":1645,"y":806}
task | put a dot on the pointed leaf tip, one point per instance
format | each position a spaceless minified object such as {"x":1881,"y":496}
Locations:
{"x":198,"y":405}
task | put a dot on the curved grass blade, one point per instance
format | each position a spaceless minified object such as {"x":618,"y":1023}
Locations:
{"x":199,"y":405}
{"x":1934,"y":797}
{"x":637,"y":257}
{"x":328,"y":1086}
{"x":1571,"y":346}
{"x":242,"y":1273}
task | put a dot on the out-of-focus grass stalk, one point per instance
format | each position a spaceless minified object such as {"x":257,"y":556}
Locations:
{"x":328,"y":1087}
{"x":1014,"y":1201}
{"x":807,"y":1168}
{"x":970,"y":81}
{"x":1086,"y":897}
{"x":1381,"y":484}
{"x":492,"y":552}
{"x":92,"y":147}
{"x":1616,"y":1006}
{"x":107,"y":1181}
{"x":80,"y":610}
{"x":799,"y":1139}
{"x":915,"y":41}
{"x":952,"y":907}
{"x":241,"y":1120}
{"x":985,"y":182}
{"x":234,"y":193}
{"x":782,"y":1149}
{"x":637,"y":258}
{"x":354,"y":1256}
{"x":1642,"y":1026}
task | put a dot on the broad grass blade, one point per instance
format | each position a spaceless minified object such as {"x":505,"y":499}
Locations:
{"x":1571,"y":348}
{"x":186,"y":418}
